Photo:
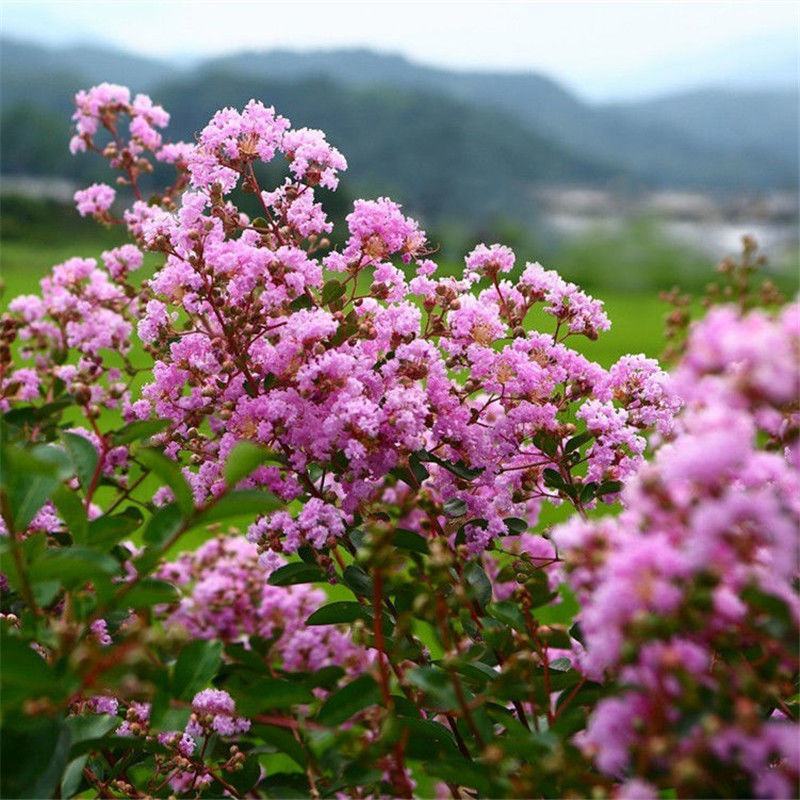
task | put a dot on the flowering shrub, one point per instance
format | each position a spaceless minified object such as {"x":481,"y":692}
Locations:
{"x":392,"y":435}
{"x":689,"y":596}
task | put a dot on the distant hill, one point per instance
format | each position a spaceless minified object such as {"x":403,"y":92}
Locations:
{"x":443,"y":157}
{"x":449,"y":143}
{"x":747,"y":120}
{"x":668,"y":141}
{"x":68,"y":68}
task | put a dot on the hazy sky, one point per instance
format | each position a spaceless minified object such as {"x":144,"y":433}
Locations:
{"x":602,"y":49}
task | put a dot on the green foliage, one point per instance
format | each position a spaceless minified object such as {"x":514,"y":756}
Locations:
{"x":426,"y":597}
{"x":195,"y":668}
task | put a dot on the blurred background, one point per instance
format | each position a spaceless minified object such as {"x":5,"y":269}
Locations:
{"x":628,"y":145}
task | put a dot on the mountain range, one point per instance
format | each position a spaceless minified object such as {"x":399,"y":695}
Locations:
{"x":451,"y":144}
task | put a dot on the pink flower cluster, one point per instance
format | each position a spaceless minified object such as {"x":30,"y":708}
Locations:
{"x":347,"y":379}
{"x":85,"y":309}
{"x":749,"y":363}
{"x":101,"y":106}
{"x":100,"y":115}
{"x":226,"y":596}
{"x":674,"y":590}
{"x":187,"y":766}
{"x":213,"y":711}
{"x":573,"y":308}
{"x":95,"y":200}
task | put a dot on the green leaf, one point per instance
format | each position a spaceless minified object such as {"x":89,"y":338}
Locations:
{"x":73,"y":566}
{"x":266,"y":694}
{"x":106,"y":531}
{"x":246,"y":502}
{"x":428,"y":738}
{"x":516,"y":525}
{"x":82,"y":728}
{"x":150,"y":592}
{"x":587,"y":492}
{"x":475,"y":671}
{"x":141,"y":429}
{"x":71,"y":510}
{"x":243,"y":460}
{"x":553,"y":479}
{"x":282,"y":740}
{"x":29,"y":415}
{"x":463,"y":773}
{"x":609,"y":487}
{"x":332,"y":290}
{"x":436,"y":683}
{"x":114,"y":744}
{"x":558,"y":613}
{"x":508,"y":613}
{"x":90,"y":727}
{"x":73,"y":775}
{"x":554,"y":637}
{"x":296,"y":572}
{"x":84,"y":457}
{"x":479,"y":583}
{"x":418,"y":469}
{"x":349,"y":700}
{"x":410,"y":540}
{"x":244,"y":778}
{"x":30,"y":477}
{"x":539,"y":589}
{"x":455,"y":507}
{"x":20,"y":416}
{"x":164,"y":523}
{"x":197,"y":664}
{"x":169,"y":472}
{"x":338,"y":612}
{"x":24,"y":674}
{"x":357,"y":580}
{"x":347,"y":328}
{"x":285,"y":786}
{"x":546,"y":442}
{"x":461,"y":470}
{"x":458,"y":468}
{"x":576,"y":441}
{"x":301,"y":302}
{"x":33,"y":754}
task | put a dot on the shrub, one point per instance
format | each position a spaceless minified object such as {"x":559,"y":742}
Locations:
{"x":391,"y":435}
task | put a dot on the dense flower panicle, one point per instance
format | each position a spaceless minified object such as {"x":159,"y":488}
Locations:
{"x":251,"y":343}
{"x":565,"y":301}
{"x":95,"y":200}
{"x":645,"y":391}
{"x":751,"y":363}
{"x":226,"y":596}
{"x":82,"y":309}
{"x":214,"y":710}
{"x":371,"y":377}
{"x":312,"y":160}
{"x":186,"y":763}
{"x":673,"y":589}
{"x":489,"y":261}
{"x":121,"y":261}
{"x":90,"y":105}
